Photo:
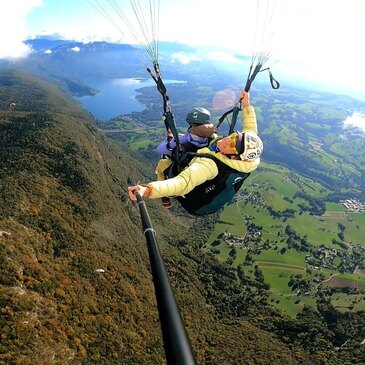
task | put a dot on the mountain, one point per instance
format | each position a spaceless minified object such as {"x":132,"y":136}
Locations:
{"x":83,"y":61}
{"x":44,"y":44}
{"x":76,"y":60}
{"x":64,"y":212}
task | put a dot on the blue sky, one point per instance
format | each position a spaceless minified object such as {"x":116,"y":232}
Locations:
{"x":314,"y":40}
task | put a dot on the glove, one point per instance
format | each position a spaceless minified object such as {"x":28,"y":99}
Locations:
{"x":245,"y":98}
{"x":169,"y":134}
{"x":143,"y":190}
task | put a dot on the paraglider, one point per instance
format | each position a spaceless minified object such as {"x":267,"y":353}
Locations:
{"x":214,"y":174}
{"x":240,"y":149}
{"x":145,"y":32}
{"x":99,"y":271}
{"x":12,"y":105}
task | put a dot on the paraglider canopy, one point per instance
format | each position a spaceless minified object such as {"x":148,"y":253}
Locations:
{"x":99,"y":271}
{"x":137,"y":21}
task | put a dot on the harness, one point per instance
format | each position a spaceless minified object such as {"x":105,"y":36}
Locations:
{"x":213,"y":194}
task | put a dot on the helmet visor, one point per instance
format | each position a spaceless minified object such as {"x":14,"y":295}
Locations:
{"x":230,"y":145}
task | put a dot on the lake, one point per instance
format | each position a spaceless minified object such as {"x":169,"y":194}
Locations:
{"x":115,"y":96}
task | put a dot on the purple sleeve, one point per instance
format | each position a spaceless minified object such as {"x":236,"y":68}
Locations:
{"x":163,"y":149}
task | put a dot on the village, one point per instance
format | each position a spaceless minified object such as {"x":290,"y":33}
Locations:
{"x":318,"y":258}
{"x":353,"y":205}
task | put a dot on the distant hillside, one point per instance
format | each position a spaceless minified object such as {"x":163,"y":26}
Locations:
{"x":44,"y":44}
{"x":80,"y":62}
{"x":77,"y":60}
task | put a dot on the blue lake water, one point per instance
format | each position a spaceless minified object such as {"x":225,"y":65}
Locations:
{"x":115,"y":96}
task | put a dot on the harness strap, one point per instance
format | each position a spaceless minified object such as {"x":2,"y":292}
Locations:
{"x":168,"y":116}
{"x":251,"y":76}
{"x":275,"y":84}
{"x":234,"y":111}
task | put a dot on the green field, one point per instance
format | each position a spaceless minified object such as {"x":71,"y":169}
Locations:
{"x":279,"y":276}
{"x":335,"y":207}
{"x":319,"y":230}
{"x":291,"y":258}
{"x":241,"y":255}
{"x":344,"y":302}
{"x":356,"y":233}
{"x":282,"y":186}
{"x":292,"y":305}
{"x":358,"y":218}
{"x":230,"y":221}
{"x":224,"y":252}
{"x":277,"y":189}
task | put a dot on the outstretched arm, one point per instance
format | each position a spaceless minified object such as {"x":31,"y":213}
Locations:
{"x":249,"y":122}
{"x":199,"y":171}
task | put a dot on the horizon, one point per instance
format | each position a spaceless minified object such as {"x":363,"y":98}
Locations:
{"x":309,"y":56}
{"x":355,"y":118}
{"x":303,"y":52}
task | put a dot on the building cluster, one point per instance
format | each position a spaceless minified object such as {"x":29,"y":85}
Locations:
{"x":353,"y":205}
{"x":234,"y":241}
{"x":321,"y":257}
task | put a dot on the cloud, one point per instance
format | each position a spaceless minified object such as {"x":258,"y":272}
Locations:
{"x":13,"y":27}
{"x":220,"y":56}
{"x":184,"y":58}
{"x":75,"y":49}
{"x":356,"y":120}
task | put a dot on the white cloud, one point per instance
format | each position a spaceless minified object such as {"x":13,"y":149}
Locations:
{"x":13,"y":27}
{"x":356,"y":120}
{"x":75,"y":49}
{"x":184,"y":58}
{"x":222,"y":56}
{"x":48,"y":51}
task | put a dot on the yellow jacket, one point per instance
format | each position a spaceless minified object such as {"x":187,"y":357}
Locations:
{"x":201,"y":169}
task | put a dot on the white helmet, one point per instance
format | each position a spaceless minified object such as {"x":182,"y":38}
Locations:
{"x":253,"y":146}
